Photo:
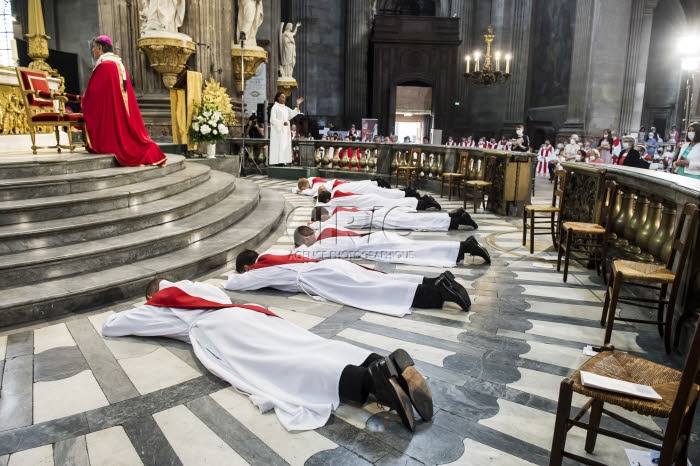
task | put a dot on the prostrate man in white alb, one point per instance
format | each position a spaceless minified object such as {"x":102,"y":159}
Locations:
{"x":325,"y":195}
{"x":395,"y":218}
{"x":310,"y":186}
{"x":345,"y":282}
{"x":383,"y":246}
{"x":300,"y":375}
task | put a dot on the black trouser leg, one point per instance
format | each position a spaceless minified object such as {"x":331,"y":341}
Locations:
{"x":427,"y":297}
{"x":454,"y":223}
{"x":355,"y":383}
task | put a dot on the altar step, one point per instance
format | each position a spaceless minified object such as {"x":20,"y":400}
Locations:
{"x":76,"y":250}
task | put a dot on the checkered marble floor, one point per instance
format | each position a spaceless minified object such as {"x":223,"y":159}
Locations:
{"x":70,"y":396}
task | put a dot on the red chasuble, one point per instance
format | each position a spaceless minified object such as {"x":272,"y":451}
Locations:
{"x":271,"y":260}
{"x":177,"y":298}
{"x":113,"y":118}
{"x":342,"y":194}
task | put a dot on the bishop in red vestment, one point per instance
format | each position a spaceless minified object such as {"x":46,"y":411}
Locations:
{"x":112,"y":115}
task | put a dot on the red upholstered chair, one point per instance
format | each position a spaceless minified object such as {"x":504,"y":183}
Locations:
{"x":46,"y":108}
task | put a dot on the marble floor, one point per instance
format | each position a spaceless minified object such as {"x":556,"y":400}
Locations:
{"x":70,"y":396}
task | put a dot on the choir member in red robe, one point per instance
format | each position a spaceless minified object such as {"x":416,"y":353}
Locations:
{"x":112,"y":115}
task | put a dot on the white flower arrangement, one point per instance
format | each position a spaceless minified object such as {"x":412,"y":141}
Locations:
{"x":208,"y":124}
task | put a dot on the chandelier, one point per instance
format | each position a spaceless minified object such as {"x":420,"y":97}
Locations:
{"x":488,"y":74}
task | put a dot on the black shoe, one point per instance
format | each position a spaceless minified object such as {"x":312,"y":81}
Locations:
{"x":388,"y":391}
{"x":472,"y":247}
{"x":456,"y":212}
{"x":453,"y":292}
{"x":381,"y":182}
{"x":410,"y":192}
{"x":413,"y":383}
{"x":466,"y":219}
{"x":430,"y":202}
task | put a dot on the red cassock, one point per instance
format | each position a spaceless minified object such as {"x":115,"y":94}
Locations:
{"x":114,"y":121}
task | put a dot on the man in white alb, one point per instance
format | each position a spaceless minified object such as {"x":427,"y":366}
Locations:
{"x":280,"y":133}
{"x":279,"y":365}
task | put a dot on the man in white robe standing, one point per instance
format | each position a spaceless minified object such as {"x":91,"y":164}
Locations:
{"x":383,"y":246}
{"x":279,"y":365}
{"x":345,"y":282}
{"x":395,"y":218}
{"x":280,"y":132}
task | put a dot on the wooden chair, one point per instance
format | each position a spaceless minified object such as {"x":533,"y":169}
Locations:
{"x":679,"y":391}
{"x":455,"y":179}
{"x":589,"y":238}
{"x":409,"y":169}
{"x":646,"y":276}
{"x":46,"y":108}
{"x":481,"y":183}
{"x":550,"y":212}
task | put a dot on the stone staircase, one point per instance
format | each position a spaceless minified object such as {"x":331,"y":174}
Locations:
{"x":77,"y":231}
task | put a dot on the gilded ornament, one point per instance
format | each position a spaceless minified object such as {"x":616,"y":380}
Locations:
{"x":252,"y":58}
{"x":167,"y":55}
{"x":216,"y":95}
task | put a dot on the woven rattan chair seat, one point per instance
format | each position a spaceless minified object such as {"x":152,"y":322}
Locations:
{"x":541,"y":208}
{"x":585,"y":228}
{"x":633,"y":369}
{"x":653,"y":273}
{"x":478,"y":183}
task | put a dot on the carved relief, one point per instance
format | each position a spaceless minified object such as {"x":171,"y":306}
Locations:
{"x":13,"y":117}
{"x":581,"y":195}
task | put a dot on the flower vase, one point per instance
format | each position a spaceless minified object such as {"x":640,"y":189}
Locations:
{"x":211,"y":150}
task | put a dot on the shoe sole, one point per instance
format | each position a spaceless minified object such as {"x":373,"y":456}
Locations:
{"x":418,"y":390}
{"x":404,"y":402}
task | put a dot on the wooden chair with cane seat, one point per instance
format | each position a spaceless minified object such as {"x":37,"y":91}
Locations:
{"x":679,"y":392}
{"x":548,"y":212}
{"x":588,"y":238}
{"x":46,"y":108}
{"x":455,"y":179}
{"x":408,"y":170}
{"x":481,"y":184}
{"x":655,"y":277}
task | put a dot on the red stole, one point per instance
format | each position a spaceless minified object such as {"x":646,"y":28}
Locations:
{"x":546,"y":152}
{"x":113,"y":127}
{"x":616,"y":142}
{"x":179,"y":299}
{"x":271,"y":260}
{"x":342,"y":194}
{"x":334,"y":233}
{"x":344,"y":209}
{"x":471,"y":143}
{"x":313,"y":181}
{"x":337,"y":183}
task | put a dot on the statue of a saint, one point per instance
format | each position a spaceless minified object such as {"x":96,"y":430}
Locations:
{"x":161,"y":15}
{"x":250,"y":17}
{"x":288,"y":49}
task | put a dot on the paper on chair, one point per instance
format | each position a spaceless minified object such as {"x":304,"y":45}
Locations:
{"x":592,"y":380}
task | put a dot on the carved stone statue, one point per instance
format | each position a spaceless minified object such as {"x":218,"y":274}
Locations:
{"x":288,"y":49}
{"x":161,"y":15}
{"x":250,"y":17}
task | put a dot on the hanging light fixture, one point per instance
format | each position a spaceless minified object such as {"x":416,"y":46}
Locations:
{"x":488,"y":74}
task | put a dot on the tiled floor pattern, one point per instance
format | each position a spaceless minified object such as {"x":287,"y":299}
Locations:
{"x":70,"y":396}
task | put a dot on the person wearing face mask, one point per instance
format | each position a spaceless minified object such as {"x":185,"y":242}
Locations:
{"x":642,"y":134}
{"x":450,"y":142}
{"x":572,"y":148}
{"x":673,"y":135}
{"x":521,"y":143}
{"x":503,"y":144}
{"x":630,"y":156}
{"x":553,"y":163}
{"x":616,"y":146}
{"x":688,"y":163}
{"x":652,"y":144}
{"x":587,"y":147}
{"x":543,"y":158}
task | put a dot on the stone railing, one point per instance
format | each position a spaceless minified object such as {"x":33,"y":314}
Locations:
{"x":512,"y":178}
{"x":645,"y":211}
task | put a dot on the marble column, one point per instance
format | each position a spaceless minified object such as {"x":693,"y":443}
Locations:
{"x":642,"y":14}
{"x":580,"y":68}
{"x":357,"y":29}
{"x":300,"y":11}
{"x":516,"y":88}
{"x":274,"y":16}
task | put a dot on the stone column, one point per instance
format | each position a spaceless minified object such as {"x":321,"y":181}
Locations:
{"x":273,"y":51}
{"x":580,"y":69}
{"x":516,"y":89}
{"x":636,"y":70}
{"x":465,"y":12}
{"x":358,"y":25}
{"x":300,"y":11}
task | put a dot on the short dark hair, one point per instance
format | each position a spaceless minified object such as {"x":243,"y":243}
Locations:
{"x":153,"y":287}
{"x":317,"y":213}
{"x":324,"y":196}
{"x":106,"y":48}
{"x":277,"y":96}
{"x":247,"y":257}
{"x":696,"y":127}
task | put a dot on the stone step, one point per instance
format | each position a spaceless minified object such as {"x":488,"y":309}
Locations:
{"x":53,"y":233}
{"x":54,"y":164}
{"x":90,"y":256}
{"x":51,"y":298}
{"x":13,"y":189}
{"x":73,"y":205}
